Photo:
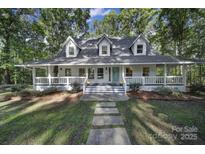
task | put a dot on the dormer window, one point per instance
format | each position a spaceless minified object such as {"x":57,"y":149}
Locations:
{"x":71,"y":51}
{"x":139,"y":49}
{"x":72,"y":48}
{"x":104,"y":46}
{"x":104,"y":50}
{"x":139,"y":46}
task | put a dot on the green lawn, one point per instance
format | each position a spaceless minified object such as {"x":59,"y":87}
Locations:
{"x":48,"y":121}
{"x":62,"y":119}
{"x":152,"y":122}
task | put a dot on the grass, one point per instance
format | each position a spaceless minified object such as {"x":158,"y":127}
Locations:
{"x":152,"y":122}
{"x":63,"y":119}
{"x":48,"y":120}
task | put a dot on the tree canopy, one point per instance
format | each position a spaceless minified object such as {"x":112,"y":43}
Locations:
{"x":35,"y":34}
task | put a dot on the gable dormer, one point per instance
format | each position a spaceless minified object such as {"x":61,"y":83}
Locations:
{"x":104,"y":46}
{"x":72,"y":48}
{"x":140,"y":46}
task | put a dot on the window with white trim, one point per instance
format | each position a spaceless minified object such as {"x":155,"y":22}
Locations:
{"x":68,"y":72}
{"x":145,"y":71}
{"x":81,"y":72}
{"x":139,"y":49}
{"x":129,"y":71}
{"x":100,"y":73}
{"x":104,"y":49}
{"x":71,"y":51}
{"x":91,"y":72}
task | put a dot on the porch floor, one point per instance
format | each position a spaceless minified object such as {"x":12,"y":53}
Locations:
{"x":104,"y":97}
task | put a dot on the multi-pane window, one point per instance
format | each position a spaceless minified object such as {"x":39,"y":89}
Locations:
{"x":91,"y":74}
{"x":81,"y":71}
{"x":100,"y":73}
{"x":104,"y":49}
{"x":68,"y":72}
{"x":139,"y":48}
{"x":71,"y":51}
{"x":145,"y":71}
{"x":129,"y":71}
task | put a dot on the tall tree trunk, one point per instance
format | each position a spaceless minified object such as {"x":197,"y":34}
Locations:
{"x":7,"y":76}
{"x":7,"y":73}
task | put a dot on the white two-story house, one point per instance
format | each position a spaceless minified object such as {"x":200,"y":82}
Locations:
{"x":114,"y":61}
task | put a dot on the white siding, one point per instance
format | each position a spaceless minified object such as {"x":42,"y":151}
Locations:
{"x":102,"y":43}
{"x":74,"y":70}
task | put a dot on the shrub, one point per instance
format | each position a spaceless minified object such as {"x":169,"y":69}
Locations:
{"x":25,"y":93}
{"x":18,"y":87}
{"x":196,"y":88}
{"x":76,"y":87}
{"x":37,"y":93}
{"x":176,"y":92}
{"x":135,"y":86}
{"x":163,"y":90}
{"x":47,"y":91}
{"x":28,"y":93}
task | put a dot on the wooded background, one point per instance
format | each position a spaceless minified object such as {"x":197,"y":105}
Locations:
{"x":36,"y":34}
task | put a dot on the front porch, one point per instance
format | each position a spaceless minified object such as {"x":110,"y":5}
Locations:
{"x":116,"y":76}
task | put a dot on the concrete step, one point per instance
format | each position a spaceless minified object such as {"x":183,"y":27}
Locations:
{"x":105,"y":89}
{"x":104,"y":92}
{"x":108,"y":91}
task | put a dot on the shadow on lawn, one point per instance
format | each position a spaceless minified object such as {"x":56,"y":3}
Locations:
{"x":148,"y":125}
{"x":34,"y":122}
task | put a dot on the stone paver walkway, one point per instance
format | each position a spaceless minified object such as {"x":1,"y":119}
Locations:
{"x":108,"y":136}
{"x":107,"y":120}
{"x":107,"y":115}
{"x":106,"y":104}
{"x":101,"y":110}
{"x":104,"y":97}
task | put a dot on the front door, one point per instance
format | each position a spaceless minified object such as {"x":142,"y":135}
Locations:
{"x":115,"y":74}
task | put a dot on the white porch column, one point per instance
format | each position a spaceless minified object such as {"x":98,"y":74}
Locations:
{"x":165,"y":74}
{"x":123,"y":72}
{"x":123,"y":77}
{"x":49,"y":75}
{"x":184,"y":73}
{"x":86,"y":72}
{"x":34,"y":77}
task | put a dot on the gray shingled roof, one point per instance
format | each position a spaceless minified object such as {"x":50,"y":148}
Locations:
{"x":114,"y":60}
{"x":120,"y":54}
{"x":89,"y":47}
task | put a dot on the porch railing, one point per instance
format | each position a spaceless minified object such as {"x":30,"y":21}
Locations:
{"x":125,"y":84}
{"x":155,"y":80}
{"x":85,"y":84}
{"x":58,"y":80}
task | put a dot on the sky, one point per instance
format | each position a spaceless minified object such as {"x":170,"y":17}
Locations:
{"x":99,"y":13}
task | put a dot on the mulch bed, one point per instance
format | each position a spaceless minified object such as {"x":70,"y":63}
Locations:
{"x":149,"y":95}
